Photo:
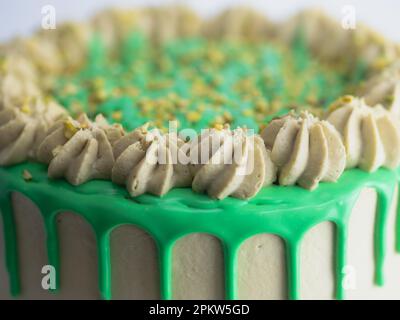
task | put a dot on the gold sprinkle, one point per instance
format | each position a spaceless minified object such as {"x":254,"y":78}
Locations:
{"x":247,"y":112}
{"x":100,"y":94}
{"x":193,"y":116}
{"x":218,"y":126}
{"x":98,"y":82}
{"x":261,"y":106}
{"x":117,"y":115}
{"x":70,"y":89}
{"x":26,"y":108}
{"x":27,"y":175}
{"x":347,"y":99}
{"x":3,"y":64}
{"x":70,"y":128}
{"x":380,"y":63}
{"x":262,"y":126}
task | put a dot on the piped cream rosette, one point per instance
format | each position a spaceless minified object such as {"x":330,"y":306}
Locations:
{"x":22,"y":128}
{"x":370,"y":134}
{"x":148,"y":161}
{"x":80,"y":150}
{"x":384,"y":88}
{"x":305,"y":149}
{"x":18,"y":80}
{"x":230,"y":163}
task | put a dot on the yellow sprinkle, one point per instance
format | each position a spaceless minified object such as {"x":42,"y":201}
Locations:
{"x":172,"y":96}
{"x":132,"y":91}
{"x":100,"y":94}
{"x":227,"y":116}
{"x":26,"y":108}
{"x":3,"y":65}
{"x":27,"y":175}
{"x":98,"y":82}
{"x":70,"y":128}
{"x":193,"y":116}
{"x":347,"y":99}
{"x":261,"y":106}
{"x":262,"y":126}
{"x":144,"y":128}
{"x":247,"y":112}
{"x":70,"y":89}
{"x":340,"y":102}
{"x":117,"y":115}
{"x":380,"y":63}
{"x":218,"y":126}
{"x":215,"y":56}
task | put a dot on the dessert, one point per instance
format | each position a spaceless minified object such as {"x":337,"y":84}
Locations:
{"x":212,"y":207}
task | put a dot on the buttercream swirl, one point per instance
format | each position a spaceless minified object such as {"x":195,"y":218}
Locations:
{"x":305,"y":149}
{"x":384,"y":88}
{"x":23,"y":128}
{"x":150,"y":162}
{"x":80,"y":150}
{"x":17,"y":82}
{"x":228,"y":162}
{"x":370,"y":134}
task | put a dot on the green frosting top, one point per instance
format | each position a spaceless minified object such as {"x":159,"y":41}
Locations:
{"x":200,"y":82}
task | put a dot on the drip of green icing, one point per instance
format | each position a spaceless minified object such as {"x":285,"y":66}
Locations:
{"x":10,"y":240}
{"x":397,"y":245}
{"x":288,"y":212}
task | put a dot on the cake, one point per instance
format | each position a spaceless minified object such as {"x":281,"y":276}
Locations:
{"x":152,"y":154}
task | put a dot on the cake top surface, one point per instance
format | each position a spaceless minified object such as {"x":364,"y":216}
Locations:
{"x":182,"y":74}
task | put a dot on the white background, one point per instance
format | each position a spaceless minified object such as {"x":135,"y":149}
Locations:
{"x":21,"y":17}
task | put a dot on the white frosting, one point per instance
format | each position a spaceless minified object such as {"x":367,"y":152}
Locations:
{"x":22,"y":129}
{"x":230,"y":163}
{"x":150,"y":162}
{"x":15,"y":89}
{"x":305,"y":150}
{"x":79,"y":150}
{"x":370,"y":134}
{"x":384,"y":88}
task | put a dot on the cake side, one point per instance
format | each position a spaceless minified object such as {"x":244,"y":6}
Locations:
{"x":198,"y":269}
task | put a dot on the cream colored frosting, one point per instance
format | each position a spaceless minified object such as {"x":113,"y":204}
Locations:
{"x":305,"y":149}
{"x":150,"y":162}
{"x":18,"y":81}
{"x":43,"y":51}
{"x":114,"y":25}
{"x":79,"y":150}
{"x":239,"y":23}
{"x":228,"y":162}
{"x":23,"y":128}
{"x":384,"y":88}
{"x":370,"y":134}
{"x":73,"y":42}
{"x":323,"y":35}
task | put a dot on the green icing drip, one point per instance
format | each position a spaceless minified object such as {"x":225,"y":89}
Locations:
{"x":288,"y":212}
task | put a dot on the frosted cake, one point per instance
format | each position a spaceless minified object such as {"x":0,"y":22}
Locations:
{"x":151,"y":154}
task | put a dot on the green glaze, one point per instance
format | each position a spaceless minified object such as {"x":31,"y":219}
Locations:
{"x":240,"y":83}
{"x":288,"y":212}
